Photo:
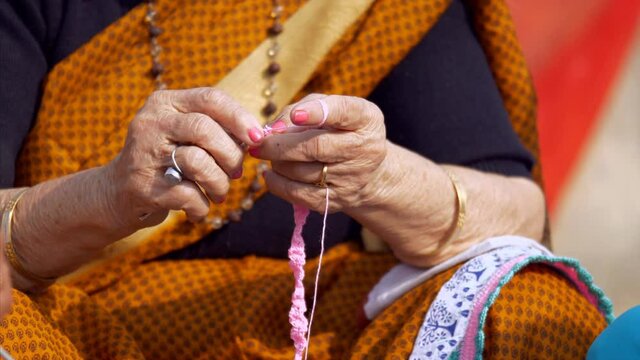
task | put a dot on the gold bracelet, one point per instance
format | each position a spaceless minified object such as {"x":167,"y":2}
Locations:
{"x":461,"y":196}
{"x":9,"y":249}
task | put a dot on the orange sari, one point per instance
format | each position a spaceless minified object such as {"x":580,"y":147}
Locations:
{"x":126,"y":306}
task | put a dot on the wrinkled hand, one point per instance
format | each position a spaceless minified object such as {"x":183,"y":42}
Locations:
{"x":202,"y":122}
{"x":5,"y":284}
{"x":351,"y":141}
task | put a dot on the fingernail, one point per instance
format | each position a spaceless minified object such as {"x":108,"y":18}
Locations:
{"x":219,"y":199}
{"x":255,"y":134}
{"x":237,"y":174}
{"x":278,"y":126}
{"x":300,"y":117}
{"x":255,"y":152}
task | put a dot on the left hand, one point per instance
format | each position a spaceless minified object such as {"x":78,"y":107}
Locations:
{"x":351,"y":142}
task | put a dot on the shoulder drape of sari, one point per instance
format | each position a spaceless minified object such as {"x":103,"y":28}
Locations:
{"x":329,"y":46}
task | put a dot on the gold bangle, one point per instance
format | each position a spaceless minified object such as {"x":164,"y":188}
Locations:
{"x":461,"y":196}
{"x":9,"y":249}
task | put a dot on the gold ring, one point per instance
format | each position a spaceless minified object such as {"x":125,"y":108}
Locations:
{"x":323,"y":178}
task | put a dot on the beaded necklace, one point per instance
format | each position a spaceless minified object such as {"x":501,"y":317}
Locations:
{"x":158,"y":69}
{"x":301,"y":327}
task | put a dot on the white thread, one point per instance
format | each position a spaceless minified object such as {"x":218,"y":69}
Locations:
{"x":315,"y":291}
{"x":325,"y":112}
{"x":4,"y":354}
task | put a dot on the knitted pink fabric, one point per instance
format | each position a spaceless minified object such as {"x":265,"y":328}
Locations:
{"x":297,"y":256}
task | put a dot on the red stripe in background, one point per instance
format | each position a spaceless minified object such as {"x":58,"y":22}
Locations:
{"x":574,"y":80}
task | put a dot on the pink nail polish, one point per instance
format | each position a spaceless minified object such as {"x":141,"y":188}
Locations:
{"x":255,"y":134}
{"x":255,"y":152}
{"x":279,"y":126}
{"x":237,"y":174}
{"x":300,"y":117}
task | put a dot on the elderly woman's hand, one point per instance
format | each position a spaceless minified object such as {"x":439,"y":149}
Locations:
{"x":202,"y":124}
{"x":62,"y":223}
{"x":345,"y":133}
{"x":401,"y":196}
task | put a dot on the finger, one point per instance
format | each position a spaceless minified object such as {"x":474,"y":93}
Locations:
{"x":304,"y":172}
{"x":294,"y":192}
{"x":282,"y":122}
{"x":197,"y":165}
{"x":309,"y":146}
{"x":338,"y":112}
{"x":188,"y":197}
{"x":219,"y":106}
{"x":201,"y":130}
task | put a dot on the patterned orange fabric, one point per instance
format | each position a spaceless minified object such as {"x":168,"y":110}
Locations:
{"x":539,"y":314}
{"x":237,"y":309}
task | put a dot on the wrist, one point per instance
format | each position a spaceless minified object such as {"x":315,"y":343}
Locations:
{"x":112,"y":204}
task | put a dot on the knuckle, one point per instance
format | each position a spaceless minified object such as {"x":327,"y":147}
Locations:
{"x":379,"y":151}
{"x":219,"y":185}
{"x":135,"y":126}
{"x":162,"y":122}
{"x":236,"y":155}
{"x":362,"y":108}
{"x":200,"y":210}
{"x":213,"y":96}
{"x":374,"y":111}
{"x":348,"y":109}
{"x":358,"y":146}
{"x":144,"y":121}
{"x":292,"y":190}
{"x":183,"y":193}
{"x":199,"y":158}
{"x":229,"y":154}
{"x":159,"y":97}
{"x":198,"y":126}
{"x":359,"y":104}
{"x":155,"y":203}
{"x":237,"y":112}
{"x":314,"y":148}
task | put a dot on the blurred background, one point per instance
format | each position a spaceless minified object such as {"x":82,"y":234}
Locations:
{"x":585,"y":60}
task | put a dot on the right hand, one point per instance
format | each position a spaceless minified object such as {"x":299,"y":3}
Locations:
{"x":202,"y":122}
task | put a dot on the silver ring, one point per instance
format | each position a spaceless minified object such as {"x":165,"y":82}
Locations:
{"x":173,"y":174}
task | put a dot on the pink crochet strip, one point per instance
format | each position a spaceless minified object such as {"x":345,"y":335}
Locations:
{"x":296,"y":263}
{"x":299,"y":324}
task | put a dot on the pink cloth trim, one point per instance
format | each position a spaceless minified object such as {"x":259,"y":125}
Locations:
{"x":468,"y":350}
{"x":572,"y":274}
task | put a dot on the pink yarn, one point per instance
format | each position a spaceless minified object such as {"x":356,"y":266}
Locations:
{"x":296,"y":263}
{"x":299,"y":324}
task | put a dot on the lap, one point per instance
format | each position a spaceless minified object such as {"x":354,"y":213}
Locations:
{"x":238,"y":308}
